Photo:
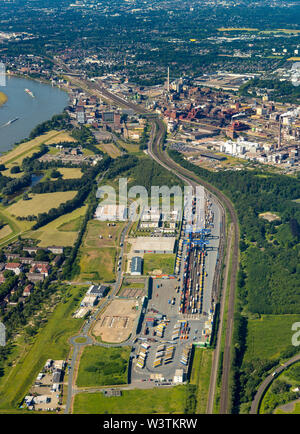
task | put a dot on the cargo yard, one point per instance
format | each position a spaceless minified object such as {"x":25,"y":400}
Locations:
{"x":181,"y":306}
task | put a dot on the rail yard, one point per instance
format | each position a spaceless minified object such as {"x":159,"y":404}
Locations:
{"x":180,"y":308}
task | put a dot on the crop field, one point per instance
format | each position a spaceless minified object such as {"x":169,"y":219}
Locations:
{"x":137,"y":401}
{"x":158,"y":263}
{"x":269,"y":335}
{"x":50,"y":342}
{"x":61,"y":231}
{"x":101,"y":366}
{"x":39,"y":203}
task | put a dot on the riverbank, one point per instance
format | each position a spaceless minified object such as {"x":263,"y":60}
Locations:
{"x":3,"y":98}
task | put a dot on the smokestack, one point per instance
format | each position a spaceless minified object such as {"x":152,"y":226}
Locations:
{"x":168,"y":80}
{"x":279,"y":136}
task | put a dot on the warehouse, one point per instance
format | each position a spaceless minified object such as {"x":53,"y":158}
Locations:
{"x":136,"y":266}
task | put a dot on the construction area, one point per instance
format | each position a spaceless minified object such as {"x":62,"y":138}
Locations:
{"x":117,"y":321}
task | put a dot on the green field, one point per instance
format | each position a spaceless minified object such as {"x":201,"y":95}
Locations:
{"x":151,"y":401}
{"x":97,"y":264}
{"x":200,"y":376}
{"x":70,"y":172}
{"x":61,"y":231}
{"x":39,"y":203}
{"x":101,"y":366}
{"x":51,"y":342}
{"x":160,"y":264}
{"x":269,"y":335}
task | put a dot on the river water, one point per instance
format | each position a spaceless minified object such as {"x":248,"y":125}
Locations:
{"x":48,"y":101}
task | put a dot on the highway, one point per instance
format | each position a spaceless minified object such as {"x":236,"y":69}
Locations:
{"x":156,"y":152}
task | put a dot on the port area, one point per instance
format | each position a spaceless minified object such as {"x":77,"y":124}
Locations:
{"x":180,"y":308}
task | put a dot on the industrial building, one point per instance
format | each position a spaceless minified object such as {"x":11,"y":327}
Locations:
{"x":136,"y":268}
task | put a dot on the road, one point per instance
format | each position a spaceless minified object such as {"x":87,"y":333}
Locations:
{"x":162,"y":158}
{"x":267,"y":382}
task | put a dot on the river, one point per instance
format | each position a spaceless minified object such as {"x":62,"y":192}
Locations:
{"x":30,"y":111}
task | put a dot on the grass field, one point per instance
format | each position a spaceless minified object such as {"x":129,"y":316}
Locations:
{"x":101,"y":366}
{"x":39,"y":203}
{"x":96,"y":228}
{"x":151,"y":401}
{"x":269,"y":335}
{"x":70,"y":172}
{"x":164,"y":264}
{"x":61,"y":231}
{"x":97,"y":256}
{"x":18,"y":153}
{"x":6,"y":230}
{"x":200,"y":376}
{"x":97,"y":264}
{"x":17,"y":227}
{"x":51,"y":342}
{"x":111,"y":149}
{"x":62,"y":136}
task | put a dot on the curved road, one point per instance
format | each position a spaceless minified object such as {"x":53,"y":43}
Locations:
{"x":267,"y":382}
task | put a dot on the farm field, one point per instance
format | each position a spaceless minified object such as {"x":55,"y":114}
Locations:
{"x":50,"y":342}
{"x":101,"y":366}
{"x":39,"y":203}
{"x":61,"y":231}
{"x":200,"y":376}
{"x":149,"y":401}
{"x":268,"y":336}
{"x":158,"y":263}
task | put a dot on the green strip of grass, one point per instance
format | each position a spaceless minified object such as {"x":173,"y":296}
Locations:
{"x":149,"y":401}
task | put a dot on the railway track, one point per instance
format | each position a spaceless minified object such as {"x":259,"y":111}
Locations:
{"x":156,"y":152}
